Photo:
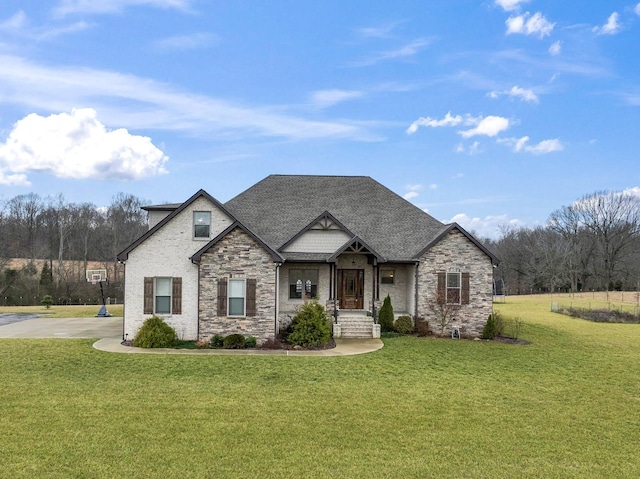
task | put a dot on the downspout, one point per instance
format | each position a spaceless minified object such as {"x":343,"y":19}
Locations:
{"x":374,"y":284}
{"x":124,"y":288}
{"x":415,"y":293}
{"x":198,"y":308}
{"x":277,"y":302}
{"x":335,"y":292}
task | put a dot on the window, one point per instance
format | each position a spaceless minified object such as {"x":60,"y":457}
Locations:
{"x":303,"y":280}
{"x":387,"y":277}
{"x":236,"y":297}
{"x":453,"y":288}
{"x":162,"y":295}
{"x":201,"y":224}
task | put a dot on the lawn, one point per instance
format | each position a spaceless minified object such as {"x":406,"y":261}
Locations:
{"x":81,"y":311}
{"x":566,"y":405}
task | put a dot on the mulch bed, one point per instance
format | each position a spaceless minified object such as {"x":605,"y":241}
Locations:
{"x":510,"y":340}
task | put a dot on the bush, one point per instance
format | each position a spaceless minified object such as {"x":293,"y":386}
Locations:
{"x":250,"y":342}
{"x":385,"y":316}
{"x":47,"y":301}
{"x":155,"y":333}
{"x":422,"y":327}
{"x":310,"y":326}
{"x":217,"y":341}
{"x":403,"y":325}
{"x":234,"y":341}
{"x":494,"y":326}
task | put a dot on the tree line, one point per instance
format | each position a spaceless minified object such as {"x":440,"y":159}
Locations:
{"x":46,"y":245}
{"x":590,"y":245}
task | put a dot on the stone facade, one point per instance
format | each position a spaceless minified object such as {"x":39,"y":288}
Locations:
{"x":237,"y":255}
{"x":456,"y":253}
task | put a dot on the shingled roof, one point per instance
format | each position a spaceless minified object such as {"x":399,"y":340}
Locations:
{"x":279,"y":206}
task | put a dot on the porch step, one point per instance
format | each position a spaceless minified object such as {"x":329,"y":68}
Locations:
{"x":355,"y":326}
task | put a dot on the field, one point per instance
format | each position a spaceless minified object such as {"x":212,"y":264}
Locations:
{"x":87,"y":311}
{"x":566,"y":405}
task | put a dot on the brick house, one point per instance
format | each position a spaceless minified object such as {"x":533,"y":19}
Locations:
{"x":246,"y":265}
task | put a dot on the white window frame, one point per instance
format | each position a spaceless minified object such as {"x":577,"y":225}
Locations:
{"x":156,"y":295}
{"x":244,"y":297}
{"x":457,"y":288}
{"x":195,"y":225}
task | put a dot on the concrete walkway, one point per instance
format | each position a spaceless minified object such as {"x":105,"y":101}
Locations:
{"x":344,"y":347}
{"x":110,"y":329}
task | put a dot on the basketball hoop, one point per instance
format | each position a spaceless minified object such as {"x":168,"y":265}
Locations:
{"x":99,"y":276}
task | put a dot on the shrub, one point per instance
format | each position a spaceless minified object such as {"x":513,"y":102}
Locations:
{"x":422,"y":327}
{"x":494,"y":326}
{"x":155,"y":333}
{"x":202,"y":344}
{"x":250,"y":342}
{"x":403,"y":325}
{"x":47,"y":301}
{"x":385,"y":316}
{"x":310,"y":326}
{"x":234,"y":341}
{"x":217,"y":341}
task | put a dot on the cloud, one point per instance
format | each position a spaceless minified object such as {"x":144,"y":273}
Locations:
{"x":473,"y":149}
{"x":488,"y":126}
{"x":140,"y":103}
{"x":510,"y":5}
{"x":77,"y":146}
{"x":18,"y":26}
{"x":517,"y":92}
{"x":13,"y":180}
{"x":408,"y":50}
{"x":611,"y":27}
{"x":637,"y":9}
{"x":383,"y":31}
{"x":187,"y":42}
{"x":448,"y":120}
{"x":487,"y":227}
{"x":555,"y":48}
{"x":327,"y":98}
{"x":544,"y":147}
{"x":410,"y":195}
{"x":67,"y":7}
{"x":16,"y":22}
{"x":527,"y":24}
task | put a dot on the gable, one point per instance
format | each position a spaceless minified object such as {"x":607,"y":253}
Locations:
{"x":318,"y":241}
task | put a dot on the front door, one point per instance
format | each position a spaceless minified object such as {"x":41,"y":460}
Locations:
{"x":351,"y":288}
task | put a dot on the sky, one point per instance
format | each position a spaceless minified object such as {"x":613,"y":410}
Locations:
{"x":492,"y":113}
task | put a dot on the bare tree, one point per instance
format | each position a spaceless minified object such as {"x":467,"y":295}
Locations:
{"x":444,"y":311}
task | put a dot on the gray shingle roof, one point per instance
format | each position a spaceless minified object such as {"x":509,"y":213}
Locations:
{"x":280,"y":206}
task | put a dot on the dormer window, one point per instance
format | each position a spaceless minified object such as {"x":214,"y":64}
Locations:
{"x":201,"y":224}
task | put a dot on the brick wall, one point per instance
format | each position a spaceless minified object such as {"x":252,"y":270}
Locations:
{"x":456,"y":253}
{"x":237,"y":255}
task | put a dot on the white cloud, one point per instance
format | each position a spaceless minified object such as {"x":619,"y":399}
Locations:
{"x":327,"y":98}
{"x":383,"y":31}
{"x":487,"y":227}
{"x":488,"y":126}
{"x":517,"y":92}
{"x":405,"y":51}
{"x":555,"y":48}
{"x":13,"y":179}
{"x":414,"y":187}
{"x":18,"y":25}
{"x":634,"y":191}
{"x":510,"y":5}
{"x":66,"y":7}
{"x":77,"y":145}
{"x":187,"y":42}
{"x":448,"y":120}
{"x":637,"y":9}
{"x":140,"y":103}
{"x":16,"y":22}
{"x":544,"y":147}
{"x":611,"y":27}
{"x":527,"y":24}
{"x":433,"y":186}
{"x":410,"y":195}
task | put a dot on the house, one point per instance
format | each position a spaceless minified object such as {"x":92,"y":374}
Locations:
{"x":246,"y":265}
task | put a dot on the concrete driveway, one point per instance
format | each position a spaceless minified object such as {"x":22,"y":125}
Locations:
{"x":44,"y":327}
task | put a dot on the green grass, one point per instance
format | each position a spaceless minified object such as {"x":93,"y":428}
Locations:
{"x":88,"y":311}
{"x":566,"y":405}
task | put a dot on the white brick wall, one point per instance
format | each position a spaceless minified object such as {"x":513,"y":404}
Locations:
{"x":167,"y":253}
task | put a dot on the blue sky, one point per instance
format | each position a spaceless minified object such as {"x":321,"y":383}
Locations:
{"x":490,"y":113}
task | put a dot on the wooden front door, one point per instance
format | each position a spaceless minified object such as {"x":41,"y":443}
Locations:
{"x":351,"y":288}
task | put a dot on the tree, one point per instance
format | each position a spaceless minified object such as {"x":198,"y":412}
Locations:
{"x":444,"y":312}
{"x":385,"y":315}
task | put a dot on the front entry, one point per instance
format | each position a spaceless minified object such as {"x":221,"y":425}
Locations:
{"x":351,"y":288}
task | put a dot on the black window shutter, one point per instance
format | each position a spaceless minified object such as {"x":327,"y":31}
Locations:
{"x":441,"y":294}
{"x":148,"y":296}
{"x":222,"y":297}
{"x":465,"y":288}
{"x":251,"y":297}
{"x":176,"y":296}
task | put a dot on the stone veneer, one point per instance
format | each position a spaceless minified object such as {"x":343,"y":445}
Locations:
{"x":456,"y":253}
{"x":237,"y":255}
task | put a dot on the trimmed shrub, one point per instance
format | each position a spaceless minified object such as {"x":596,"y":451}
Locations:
{"x":494,"y":326}
{"x":250,"y":342}
{"x":403,"y":325}
{"x":310,"y":326}
{"x":217,"y":341}
{"x":234,"y":341}
{"x":155,"y":333}
{"x":385,"y":316}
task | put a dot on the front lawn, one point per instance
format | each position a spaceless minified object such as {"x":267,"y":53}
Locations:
{"x":61,"y":311}
{"x":566,"y":405}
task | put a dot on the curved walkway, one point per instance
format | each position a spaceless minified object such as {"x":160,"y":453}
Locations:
{"x":344,"y":347}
